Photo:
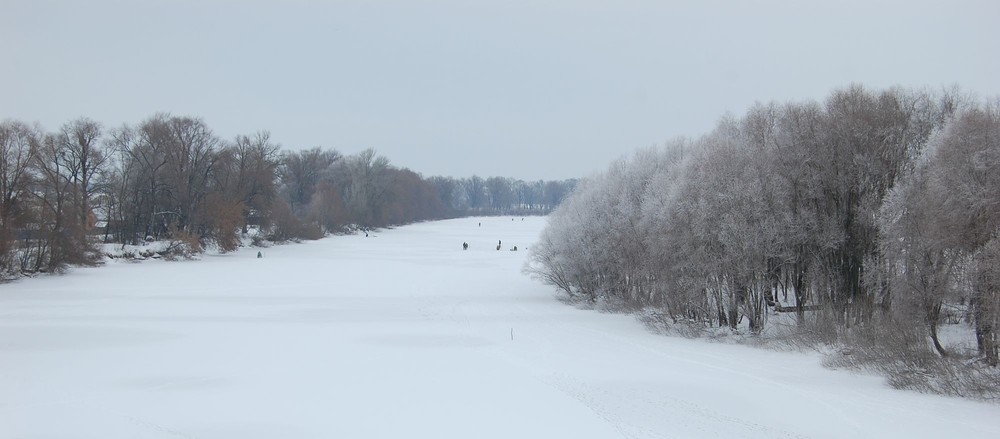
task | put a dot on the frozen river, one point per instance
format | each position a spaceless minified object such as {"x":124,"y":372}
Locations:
{"x":403,"y":335}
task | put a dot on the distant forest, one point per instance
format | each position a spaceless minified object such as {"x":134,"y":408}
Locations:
{"x":872,"y":216}
{"x":171,"y":178}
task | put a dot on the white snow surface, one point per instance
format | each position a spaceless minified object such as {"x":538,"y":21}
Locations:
{"x":403,"y":335}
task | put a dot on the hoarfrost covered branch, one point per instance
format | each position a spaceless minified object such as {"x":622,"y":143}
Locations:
{"x":873,"y":211}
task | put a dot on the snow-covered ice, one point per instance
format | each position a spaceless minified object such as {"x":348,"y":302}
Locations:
{"x":403,"y":335}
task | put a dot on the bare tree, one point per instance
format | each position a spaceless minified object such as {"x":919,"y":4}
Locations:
{"x":18,"y":146}
{"x":81,"y":141}
{"x":254,"y":162}
{"x":369,"y":189}
{"x":56,"y":195}
{"x":500,"y":194}
{"x":191,"y":153}
{"x":475,"y":192}
{"x":301,"y":171}
{"x":448,"y":192}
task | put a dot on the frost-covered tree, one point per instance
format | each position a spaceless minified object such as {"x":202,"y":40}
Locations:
{"x":566,"y":254}
{"x":964,"y":177}
{"x":920,"y":258}
{"x":785,"y":200}
{"x":797,"y":161}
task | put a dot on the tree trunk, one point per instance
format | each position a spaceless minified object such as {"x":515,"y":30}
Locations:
{"x":800,"y":299}
{"x":933,"y":315}
{"x":937,"y":343}
{"x":987,"y":344}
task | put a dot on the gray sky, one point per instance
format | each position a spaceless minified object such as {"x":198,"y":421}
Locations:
{"x":526,"y":89}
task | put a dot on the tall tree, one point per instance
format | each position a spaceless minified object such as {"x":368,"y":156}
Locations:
{"x":965,"y":159}
{"x":18,"y":146}
{"x":86,"y":158}
{"x":255,"y":161}
{"x":301,"y":171}
{"x":369,"y":190}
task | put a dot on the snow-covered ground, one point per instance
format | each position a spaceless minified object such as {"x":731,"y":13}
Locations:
{"x":403,"y":335}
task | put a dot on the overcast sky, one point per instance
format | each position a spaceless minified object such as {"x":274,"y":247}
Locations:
{"x":526,"y":89}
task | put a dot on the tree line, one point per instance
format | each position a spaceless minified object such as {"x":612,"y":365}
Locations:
{"x":173,"y":179}
{"x":868,"y":209}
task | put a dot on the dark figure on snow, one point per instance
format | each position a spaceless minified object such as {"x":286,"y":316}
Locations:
{"x":465,"y":246}
{"x":515,"y":248}
{"x":259,"y":255}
